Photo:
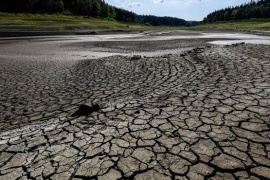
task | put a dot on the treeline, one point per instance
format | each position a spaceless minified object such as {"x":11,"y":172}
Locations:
{"x":87,"y":8}
{"x":159,"y":21}
{"x":253,"y":9}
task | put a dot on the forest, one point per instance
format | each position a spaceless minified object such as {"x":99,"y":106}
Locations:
{"x":251,"y":10}
{"x":157,"y":21}
{"x":86,"y":8}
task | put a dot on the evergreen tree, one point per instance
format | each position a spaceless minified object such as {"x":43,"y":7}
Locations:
{"x":94,"y":8}
{"x":253,"y":9}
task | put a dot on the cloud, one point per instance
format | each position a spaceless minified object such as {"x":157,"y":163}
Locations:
{"x":166,"y":1}
{"x":176,"y":1}
{"x":133,"y":4}
{"x":195,"y":1}
{"x":129,"y":3}
{"x":158,"y":1}
{"x":138,"y":3}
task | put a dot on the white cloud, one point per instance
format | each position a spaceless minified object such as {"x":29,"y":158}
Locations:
{"x":158,"y":1}
{"x":177,"y":1}
{"x":166,"y":1}
{"x":129,"y":3}
{"x":195,"y":1}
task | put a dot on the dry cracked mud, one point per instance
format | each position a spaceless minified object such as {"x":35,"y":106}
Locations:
{"x":201,"y":114}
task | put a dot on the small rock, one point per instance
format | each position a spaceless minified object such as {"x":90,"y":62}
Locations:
{"x":136,"y":57}
{"x":166,"y":56}
{"x":85,"y":110}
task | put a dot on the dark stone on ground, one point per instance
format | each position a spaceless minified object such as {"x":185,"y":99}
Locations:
{"x":85,"y":110}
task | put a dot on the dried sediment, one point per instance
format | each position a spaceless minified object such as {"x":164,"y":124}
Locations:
{"x":202,"y":114}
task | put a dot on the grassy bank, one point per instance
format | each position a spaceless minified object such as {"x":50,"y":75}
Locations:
{"x":63,"y":22}
{"x":239,"y":25}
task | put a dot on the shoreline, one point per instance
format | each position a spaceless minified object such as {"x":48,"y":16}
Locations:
{"x":25,"y":33}
{"x":9,"y":33}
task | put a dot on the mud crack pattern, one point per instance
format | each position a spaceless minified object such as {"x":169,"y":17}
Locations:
{"x":203,"y":114}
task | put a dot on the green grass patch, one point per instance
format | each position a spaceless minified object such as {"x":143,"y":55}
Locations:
{"x":64,"y":22}
{"x":238,"y":25}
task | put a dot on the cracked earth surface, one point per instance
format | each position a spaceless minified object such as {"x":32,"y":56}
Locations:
{"x":201,"y":114}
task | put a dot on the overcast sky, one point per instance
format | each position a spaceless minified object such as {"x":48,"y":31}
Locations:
{"x":185,"y":9}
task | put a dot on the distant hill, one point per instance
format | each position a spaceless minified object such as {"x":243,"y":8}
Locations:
{"x":253,"y":9}
{"x":87,"y":8}
{"x":194,"y":23}
{"x":159,"y":21}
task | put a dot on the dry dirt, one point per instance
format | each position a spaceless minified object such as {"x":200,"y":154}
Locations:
{"x":168,"y":109}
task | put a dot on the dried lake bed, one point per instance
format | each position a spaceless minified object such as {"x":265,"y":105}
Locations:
{"x":151,"y":105}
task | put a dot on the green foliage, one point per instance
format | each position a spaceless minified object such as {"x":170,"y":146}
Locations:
{"x":64,"y":22}
{"x":162,"y":21}
{"x":50,"y":6}
{"x":240,"y":25}
{"x":253,"y":9}
{"x":112,"y":13}
{"x":87,"y":8}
